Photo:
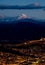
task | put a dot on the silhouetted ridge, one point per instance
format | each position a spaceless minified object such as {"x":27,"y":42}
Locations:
{"x":21,"y":31}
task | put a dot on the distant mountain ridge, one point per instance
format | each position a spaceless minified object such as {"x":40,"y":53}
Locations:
{"x":21,"y":18}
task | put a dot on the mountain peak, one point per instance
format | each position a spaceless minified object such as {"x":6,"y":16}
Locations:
{"x":36,"y":4}
{"x":22,"y":16}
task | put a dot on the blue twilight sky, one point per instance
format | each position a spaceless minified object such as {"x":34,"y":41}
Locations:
{"x":20,"y":2}
{"x":39,"y":14}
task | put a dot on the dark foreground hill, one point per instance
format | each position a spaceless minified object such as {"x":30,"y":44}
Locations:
{"x":22,"y":30}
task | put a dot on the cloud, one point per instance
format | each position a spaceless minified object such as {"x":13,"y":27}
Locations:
{"x":30,"y":6}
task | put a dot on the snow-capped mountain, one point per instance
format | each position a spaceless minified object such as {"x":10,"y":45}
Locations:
{"x":22,"y":16}
{"x":36,"y":4}
{"x":10,"y":19}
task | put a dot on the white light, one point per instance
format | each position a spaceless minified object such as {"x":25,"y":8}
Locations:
{"x":25,"y":43}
